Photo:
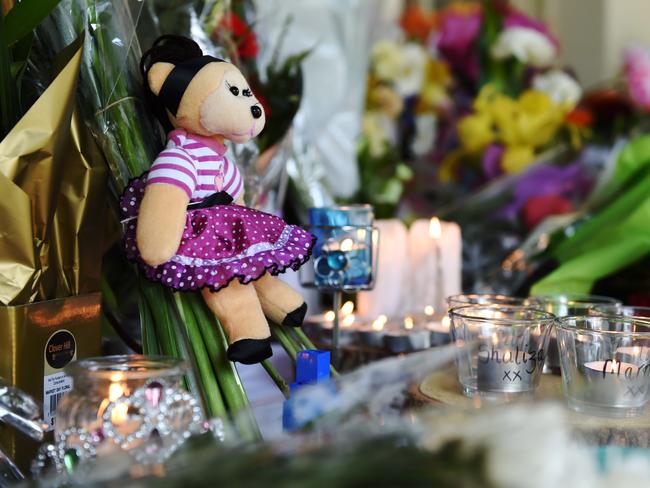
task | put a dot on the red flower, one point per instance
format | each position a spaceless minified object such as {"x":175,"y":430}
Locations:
{"x":538,"y":208}
{"x":580,"y":117}
{"x":242,"y":34}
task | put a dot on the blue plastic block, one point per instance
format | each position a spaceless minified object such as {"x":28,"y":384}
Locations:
{"x":312,"y":366}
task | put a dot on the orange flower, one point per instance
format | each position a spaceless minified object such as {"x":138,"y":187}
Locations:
{"x":418,"y":23}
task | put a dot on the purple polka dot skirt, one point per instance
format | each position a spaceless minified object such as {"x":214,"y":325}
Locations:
{"x":219,"y":244}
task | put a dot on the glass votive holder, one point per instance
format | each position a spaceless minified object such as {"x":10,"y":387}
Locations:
{"x":344,"y":258}
{"x":605,"y":364}
{"x":572,"y":305}
{"x":501,"y":348}
{"x":129,"y":403}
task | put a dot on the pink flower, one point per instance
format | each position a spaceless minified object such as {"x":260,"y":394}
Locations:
{"x":637,"y":72}
{"x":459,"y":29}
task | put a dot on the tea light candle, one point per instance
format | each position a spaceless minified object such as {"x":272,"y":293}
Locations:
{"x":407,"y":338}
{"x":614,"y":383}
{"x":372,"y":335}
{"x":506,"y":370}
{"x":439,"y":330}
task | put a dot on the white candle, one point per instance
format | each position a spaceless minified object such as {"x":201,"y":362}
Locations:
{"x":389,"y":294}
{"x":435,"y":249}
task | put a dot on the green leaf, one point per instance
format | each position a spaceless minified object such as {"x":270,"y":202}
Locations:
{"x":8,"y":91}
{"x":24,"y":17}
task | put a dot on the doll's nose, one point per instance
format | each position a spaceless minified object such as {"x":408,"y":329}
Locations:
{"x":256,"y":111}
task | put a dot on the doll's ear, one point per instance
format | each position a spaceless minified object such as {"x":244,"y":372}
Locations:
{"x":157,"y":75}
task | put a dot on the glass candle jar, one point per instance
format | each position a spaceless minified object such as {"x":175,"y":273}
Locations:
{"x":572,"y":305}
{"x":133,"y":403}
{"x":345,"y":254}
{"x":501,"y":348}
{"x":605,"y":363}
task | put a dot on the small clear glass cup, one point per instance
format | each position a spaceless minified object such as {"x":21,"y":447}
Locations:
{"x":501,"y":348}
{"x":572,"y":305}
{"x":605,"y":363}
{"x":486,"y":299}
{"x":626,"y":311}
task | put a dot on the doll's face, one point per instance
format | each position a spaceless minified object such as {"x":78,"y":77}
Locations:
{"x":232,"y":110}
{"x":217,"y":102}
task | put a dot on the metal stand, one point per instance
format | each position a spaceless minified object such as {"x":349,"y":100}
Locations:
{"x":336,"y":346}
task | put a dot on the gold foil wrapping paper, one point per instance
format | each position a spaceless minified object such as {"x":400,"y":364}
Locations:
{"x":53,"y":187}
{"x":53,"y":190}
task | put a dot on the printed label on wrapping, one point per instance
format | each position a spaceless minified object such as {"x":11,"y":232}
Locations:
{"x":60,"y":349}
{"x":54,"y":387}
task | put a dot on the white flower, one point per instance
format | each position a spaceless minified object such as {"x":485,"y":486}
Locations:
{"x":527,"y":45}
{"x":562,"y":88}
{"x":402,"y":65}
{"x":387,"y":60}
{"x":411,"y":76}
{"x":425,"y":134}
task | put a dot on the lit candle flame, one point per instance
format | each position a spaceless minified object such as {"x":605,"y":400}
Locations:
{"x":446,"y":322}
{"x":348,"y":321}
{"x":379,"y":323}
{"x":408,"y":322}
{"x":115,"y":391}
{"x":347,"y":308}
{"x":429,"y":310}
{"x":330,"y":315}
{"x":435,"y":229}
{"x":347,"y":244}
{"x":119,"y":414}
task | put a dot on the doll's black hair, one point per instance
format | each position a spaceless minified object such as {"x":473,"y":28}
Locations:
{"x":188,"y":59}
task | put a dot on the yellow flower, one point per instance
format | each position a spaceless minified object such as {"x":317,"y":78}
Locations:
{"x":385,"y":99}
{"x":475,"y":132}
{"x":517,"y":158}
{"x":532,"y":120}
{"x":448,"y":165}
{"x":374,"y":132}
{"x":433,"y":95}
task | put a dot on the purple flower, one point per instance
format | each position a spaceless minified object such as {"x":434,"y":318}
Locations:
{"x":548,"y":179}
{"x":492,"y":161}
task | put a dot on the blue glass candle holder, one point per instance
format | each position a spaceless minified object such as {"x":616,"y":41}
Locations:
{"x":344,"y":257}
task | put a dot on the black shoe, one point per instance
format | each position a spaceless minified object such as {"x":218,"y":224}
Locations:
{"x":250,"y":351}
{"x":295,"y":318}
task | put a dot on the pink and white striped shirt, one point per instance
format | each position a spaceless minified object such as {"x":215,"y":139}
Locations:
{"x":197,"y":165}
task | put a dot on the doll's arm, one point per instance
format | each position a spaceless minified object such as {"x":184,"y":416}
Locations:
{"x":161,"y":221}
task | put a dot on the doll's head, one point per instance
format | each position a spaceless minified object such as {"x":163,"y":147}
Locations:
{"x":201,"y":94}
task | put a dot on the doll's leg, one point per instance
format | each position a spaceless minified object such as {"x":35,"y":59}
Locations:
{"x":281,"y":303}
{"x":239,"y":311}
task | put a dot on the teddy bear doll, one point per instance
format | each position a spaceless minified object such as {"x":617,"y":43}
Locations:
{"x":186,"y":222}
